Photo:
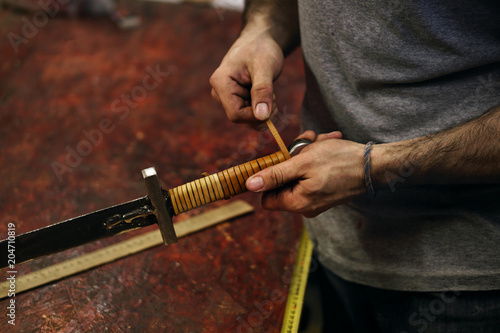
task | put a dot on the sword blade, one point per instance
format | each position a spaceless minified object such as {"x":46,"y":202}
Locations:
{"x":77,"y":231}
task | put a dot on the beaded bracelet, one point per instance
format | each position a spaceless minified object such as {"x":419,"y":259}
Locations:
{"x":368,"y":177}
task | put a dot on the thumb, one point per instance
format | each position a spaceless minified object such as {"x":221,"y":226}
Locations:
{"x":273,"y":177}
{"x":262,"y":94}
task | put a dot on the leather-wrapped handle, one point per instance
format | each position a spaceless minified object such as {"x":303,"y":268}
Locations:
{"x":221,"y":185}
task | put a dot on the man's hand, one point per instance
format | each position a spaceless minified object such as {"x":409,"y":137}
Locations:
{"x":326,"y":173}
{"x":243,"y":83}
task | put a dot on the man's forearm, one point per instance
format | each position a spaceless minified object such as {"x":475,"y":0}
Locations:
{"x":466,"y":154}
{"x":278,"y":17}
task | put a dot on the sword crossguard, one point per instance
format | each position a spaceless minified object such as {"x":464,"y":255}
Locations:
{"x":155,"y":194}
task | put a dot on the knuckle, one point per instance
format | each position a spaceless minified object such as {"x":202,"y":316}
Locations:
{"x":262,"y":89}
{"x":213,"y":79}
{"x":277,"y":177}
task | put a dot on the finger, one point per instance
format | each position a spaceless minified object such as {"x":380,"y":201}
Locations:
{"x":262,"y":94}
{"x":233,"y":95}
{"x":289,"y":198}
{"x":331,"y":135}
{"x":244,"y":114}
{"x":241,"y":90}
{"x":275,"y":176}
{"x":308,"y":135}
{"x":235,"y":101}
{"x":215,"y":96}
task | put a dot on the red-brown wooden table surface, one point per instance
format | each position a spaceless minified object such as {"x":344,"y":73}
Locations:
{"x":64,"y":80}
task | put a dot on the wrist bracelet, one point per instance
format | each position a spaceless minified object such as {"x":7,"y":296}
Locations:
{"x":367,"y":162}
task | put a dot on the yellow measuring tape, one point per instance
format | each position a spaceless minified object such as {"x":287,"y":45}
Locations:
{"x":125,"y":248}
{"x":297,"y":289}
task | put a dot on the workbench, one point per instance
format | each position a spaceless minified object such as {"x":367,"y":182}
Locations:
{"x":147,"y":93}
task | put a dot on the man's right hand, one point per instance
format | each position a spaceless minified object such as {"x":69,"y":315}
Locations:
{"x":243,"y":83}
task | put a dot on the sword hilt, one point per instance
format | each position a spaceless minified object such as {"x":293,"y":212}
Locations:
{"x":225,"y":184}
{"x":221,"y":185}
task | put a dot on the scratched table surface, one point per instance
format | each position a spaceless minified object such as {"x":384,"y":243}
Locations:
{"x":84,"y":107}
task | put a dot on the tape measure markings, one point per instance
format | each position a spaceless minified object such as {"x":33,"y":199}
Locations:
{"x":298,"y":284}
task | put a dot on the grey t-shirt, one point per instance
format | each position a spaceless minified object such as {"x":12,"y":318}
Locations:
{"x":394,"y":70}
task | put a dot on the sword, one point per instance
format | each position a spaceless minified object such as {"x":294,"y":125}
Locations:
{"x":159,"y":207}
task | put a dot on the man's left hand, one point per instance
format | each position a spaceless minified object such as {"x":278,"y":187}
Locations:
{"x":326,"y":173}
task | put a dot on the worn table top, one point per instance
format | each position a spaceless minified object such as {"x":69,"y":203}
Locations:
{"x":147,"y":93}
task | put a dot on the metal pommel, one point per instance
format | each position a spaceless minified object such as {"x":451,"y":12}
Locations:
{"x":296,"y":147}
{"x":155,"y":194}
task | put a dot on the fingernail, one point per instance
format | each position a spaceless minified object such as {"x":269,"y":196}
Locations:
{"x":261,"y":111}
{"x":255,"y":184}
